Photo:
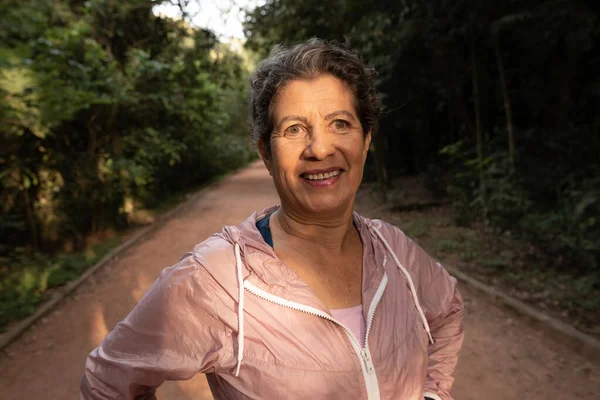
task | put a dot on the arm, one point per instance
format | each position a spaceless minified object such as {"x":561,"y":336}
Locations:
{"x":170,"y":335}
{"x":447,"y":332}
{"x":443,"y":308}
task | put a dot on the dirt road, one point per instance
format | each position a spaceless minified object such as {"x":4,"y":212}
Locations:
{"x":503,"y":357}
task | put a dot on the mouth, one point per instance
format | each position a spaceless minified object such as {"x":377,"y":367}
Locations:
{"x":317,"y":176}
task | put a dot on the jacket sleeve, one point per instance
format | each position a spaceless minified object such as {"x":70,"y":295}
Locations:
{"x":171,"y":334}
{"x":443,"y":307}
{"x":446,"y":324}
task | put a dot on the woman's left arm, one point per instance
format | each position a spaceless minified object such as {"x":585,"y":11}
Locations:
{"x":446,"y":327}
{"x":443,"y":308}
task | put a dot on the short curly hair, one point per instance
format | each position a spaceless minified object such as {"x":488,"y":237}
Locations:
{"x":308,"y":60}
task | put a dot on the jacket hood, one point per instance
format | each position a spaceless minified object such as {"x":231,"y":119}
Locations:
{"x":262,"y":264}
{"x":257,"y":264}
{"x":192,"y":320}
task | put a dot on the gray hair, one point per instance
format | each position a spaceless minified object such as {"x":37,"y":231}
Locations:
{"x":307,"y":61}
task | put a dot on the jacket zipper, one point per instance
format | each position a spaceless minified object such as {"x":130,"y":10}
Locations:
{"x":362,"y":353}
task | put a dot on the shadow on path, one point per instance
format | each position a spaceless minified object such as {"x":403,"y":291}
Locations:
{"x":503,"y":357}
{"x":48,"y":360}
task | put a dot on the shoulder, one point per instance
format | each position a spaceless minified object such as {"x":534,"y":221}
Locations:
{"x":387,"y":229}
{"x":196,"y":271}
{"x":434,"y":286}
{"x":196,"y":279}
{"x":391,"y":233}
{"x":407,"y":252}
{"x":199,"y":260}
{"x":185,"y":295}
{"x":214,"y":251}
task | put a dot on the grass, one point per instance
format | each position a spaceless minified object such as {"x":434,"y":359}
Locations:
{"x":27,"y":280}
{"x":419,"y":227}
{"x":30,"y":278}
{"x":448,"y":246}
{"x":505,"y":263}
{"x":512,"y":265}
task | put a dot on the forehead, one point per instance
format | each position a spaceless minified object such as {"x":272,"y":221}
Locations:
{"x":323,"y":94}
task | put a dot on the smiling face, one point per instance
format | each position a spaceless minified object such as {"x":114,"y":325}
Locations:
{"x":318,"y":149}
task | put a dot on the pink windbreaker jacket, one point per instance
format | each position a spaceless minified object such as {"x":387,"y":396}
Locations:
{"x":232,"y":310}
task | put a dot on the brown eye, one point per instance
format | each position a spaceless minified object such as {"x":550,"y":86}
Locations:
{"x":294,"y":130}
{"x":341,"y":125}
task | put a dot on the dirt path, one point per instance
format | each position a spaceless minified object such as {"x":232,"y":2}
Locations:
{"x":503,"y":358}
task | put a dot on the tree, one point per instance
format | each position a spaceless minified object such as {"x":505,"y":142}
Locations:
{"x":103,"y":104}
{"x":505,"y":87}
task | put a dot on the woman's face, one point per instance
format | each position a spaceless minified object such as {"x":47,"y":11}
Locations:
{"x":318,"y":149}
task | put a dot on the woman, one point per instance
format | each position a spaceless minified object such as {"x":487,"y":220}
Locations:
{"x":303,"y":300}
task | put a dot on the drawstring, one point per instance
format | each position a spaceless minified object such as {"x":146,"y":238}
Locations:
{"x":410,"y":282}
{"x":238,"y":264}
{"x":240,"y":313}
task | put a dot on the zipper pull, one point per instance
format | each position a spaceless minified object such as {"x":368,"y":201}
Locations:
{"x":367,"y":360}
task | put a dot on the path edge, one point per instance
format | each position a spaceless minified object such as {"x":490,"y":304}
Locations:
{"x":20,"y":327}
{"x":584,"y":344}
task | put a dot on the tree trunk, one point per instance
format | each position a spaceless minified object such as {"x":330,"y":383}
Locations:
{"x":31,"y":223}
{"x":478,"y":130}
{"x":507,"y":107}
{"x":476,"y":103}
{"x":568,"y":75}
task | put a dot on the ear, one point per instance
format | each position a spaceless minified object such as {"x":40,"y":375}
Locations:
{"x":264,"y":155}
{"x":367,"y":143}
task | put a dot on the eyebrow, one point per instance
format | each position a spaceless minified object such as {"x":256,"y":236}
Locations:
{"x":305,"y":120}
{"x":340,"y":112}
{"x":292,"y":118}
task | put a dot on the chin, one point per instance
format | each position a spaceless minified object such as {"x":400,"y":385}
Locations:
{"x":326,"y":206}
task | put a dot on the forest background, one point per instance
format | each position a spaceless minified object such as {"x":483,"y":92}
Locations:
{"x":108,"y":110}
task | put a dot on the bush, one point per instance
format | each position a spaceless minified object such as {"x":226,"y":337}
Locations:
{"x":564,"y":224}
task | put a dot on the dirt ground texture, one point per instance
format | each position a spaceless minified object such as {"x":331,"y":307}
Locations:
{"x":558,"y":287}
{"x":503,"y":356}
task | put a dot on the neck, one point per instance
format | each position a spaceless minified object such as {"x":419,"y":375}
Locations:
{"x":331,"y":232}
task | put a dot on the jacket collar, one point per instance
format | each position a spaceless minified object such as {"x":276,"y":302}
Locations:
{"x":266,"y":271}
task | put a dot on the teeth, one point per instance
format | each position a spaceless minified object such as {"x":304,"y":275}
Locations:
{"x":316,"y":177}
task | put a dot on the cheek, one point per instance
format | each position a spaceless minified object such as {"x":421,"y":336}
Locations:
{"x":356,"y":152}
{"x":282,"y":161}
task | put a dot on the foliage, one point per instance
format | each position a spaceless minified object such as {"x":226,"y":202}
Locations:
{"x":104,"y":107}
{"x":24,"y":287}
{"x":499,"y":98}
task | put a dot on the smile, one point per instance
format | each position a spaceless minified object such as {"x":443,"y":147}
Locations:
{"x":323,"y":176}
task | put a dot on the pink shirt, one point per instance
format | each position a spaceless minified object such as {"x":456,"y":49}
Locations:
{"x":353,"y":318}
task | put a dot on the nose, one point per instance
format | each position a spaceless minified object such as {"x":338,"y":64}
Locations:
{"x":320,"y":145}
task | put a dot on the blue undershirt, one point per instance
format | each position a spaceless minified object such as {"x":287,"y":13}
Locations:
{"x":265,"y":230}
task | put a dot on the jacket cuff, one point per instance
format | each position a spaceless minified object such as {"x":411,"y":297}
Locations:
{"x":432,"y":396}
